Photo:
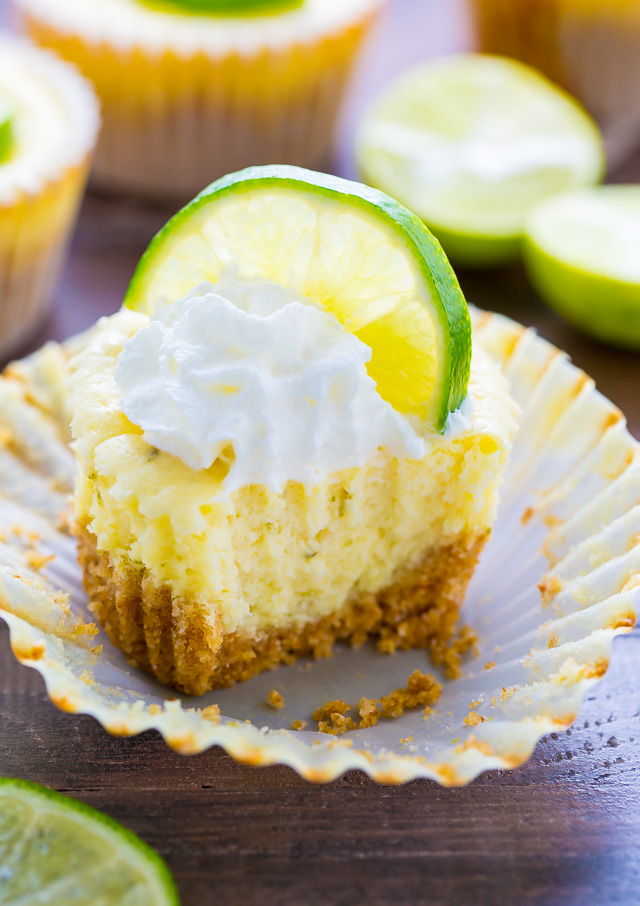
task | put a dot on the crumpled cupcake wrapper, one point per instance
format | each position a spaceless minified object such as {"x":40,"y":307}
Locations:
{"x":559,"y":579}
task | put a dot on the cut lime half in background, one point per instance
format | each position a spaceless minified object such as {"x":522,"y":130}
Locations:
{"x":471,"y":143}
{"x":61,"y":852}
{"x":361,"y":255}
{"x":582,"y":252}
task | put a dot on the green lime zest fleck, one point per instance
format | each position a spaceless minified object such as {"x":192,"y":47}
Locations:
{"x":7,"y":136}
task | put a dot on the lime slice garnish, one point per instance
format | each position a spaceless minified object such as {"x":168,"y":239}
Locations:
{"x":360,"y":254}
{"x":582,"y":251}
{"x":471,"y":143}
{"x":58,"y":851}
{"x":224,"y":7}
{"x":6,"y":130}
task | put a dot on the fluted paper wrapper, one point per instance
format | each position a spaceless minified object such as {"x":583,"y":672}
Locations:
{"x":173,"y":122}
{"x":34,"y":235}
{"x":559,"y":579}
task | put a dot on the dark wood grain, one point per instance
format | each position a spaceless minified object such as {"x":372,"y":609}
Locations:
{"x":564,"y":829}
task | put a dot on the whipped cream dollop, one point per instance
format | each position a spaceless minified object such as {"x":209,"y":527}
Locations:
{"x":255,"y":367}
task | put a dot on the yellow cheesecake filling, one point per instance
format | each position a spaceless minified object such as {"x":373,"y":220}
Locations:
{"x":258,"y":558}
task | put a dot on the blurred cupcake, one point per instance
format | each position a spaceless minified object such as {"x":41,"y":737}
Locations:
{"x":192,"y":89}
{"x":48,"y":125}
{"x":591,"y":47}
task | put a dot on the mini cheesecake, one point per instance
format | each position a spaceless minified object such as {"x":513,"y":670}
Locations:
{"x":192,"y":90}
{"x":49,"y":122}
{"x":327,"y":515}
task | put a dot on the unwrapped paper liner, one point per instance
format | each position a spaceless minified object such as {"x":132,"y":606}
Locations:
{"x":559,"y":579}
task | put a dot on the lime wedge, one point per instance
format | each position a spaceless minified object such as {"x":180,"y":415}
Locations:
{"x":58,"y":851}
{"x":224,"y":7}
{"x":6,"y":130}
{"x":582,"y":252}
{"x":471,"y":143}
{"x":361,"y":255}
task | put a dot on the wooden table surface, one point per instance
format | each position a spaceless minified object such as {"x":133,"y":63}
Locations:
{"x":563,"y":829}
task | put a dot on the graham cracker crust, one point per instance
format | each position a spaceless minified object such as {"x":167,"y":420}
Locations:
{"x":175,"y":640}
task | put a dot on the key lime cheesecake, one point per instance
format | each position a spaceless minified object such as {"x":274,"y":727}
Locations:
{"x":49,"y":121}
{"x":284,"y":437}
{"x":192,"y":89}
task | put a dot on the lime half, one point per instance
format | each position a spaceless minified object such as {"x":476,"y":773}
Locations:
{"x":582,"y":252}
{"x":471,"y":143}
{"x":6,"y":130}
{"x":361,"y":255}
{"x":223,"y":7}
{"x":58,"y":851}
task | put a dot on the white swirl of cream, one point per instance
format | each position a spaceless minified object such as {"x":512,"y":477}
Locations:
{"x":255,"y":367}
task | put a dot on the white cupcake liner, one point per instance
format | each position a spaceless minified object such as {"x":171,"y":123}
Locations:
{"x":569,"y":522}
{"x":40,"y":197}
{"x":32,"y":254}
{"x":187,"y":99}
{"x":174,"y":149}
{"x":129,"y":25}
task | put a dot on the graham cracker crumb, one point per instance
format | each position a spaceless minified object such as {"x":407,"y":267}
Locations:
{"x":275,"y":699}
{"x":489,"y":665}
{"x":526,"y":516}
{"x":298,"y":725}
{"x":549,"y":588}
{"x":65,"y":523}
{"x":421,"y":689}
{"x":473,"y":743}
{"x":449,"y":655}
{"x":368,"y":711}
{"x":37,"y":561}
{"x":212,"y":714}
{"x":337,"y":724}
{"x":473,"y":719}
{"x":331,"y":718}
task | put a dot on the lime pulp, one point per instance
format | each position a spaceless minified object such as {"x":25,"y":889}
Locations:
{"x":582,"y":255}
{"x":59,"y":851}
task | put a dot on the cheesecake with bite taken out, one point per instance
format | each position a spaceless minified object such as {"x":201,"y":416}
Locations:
{"x":283,"y":437}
